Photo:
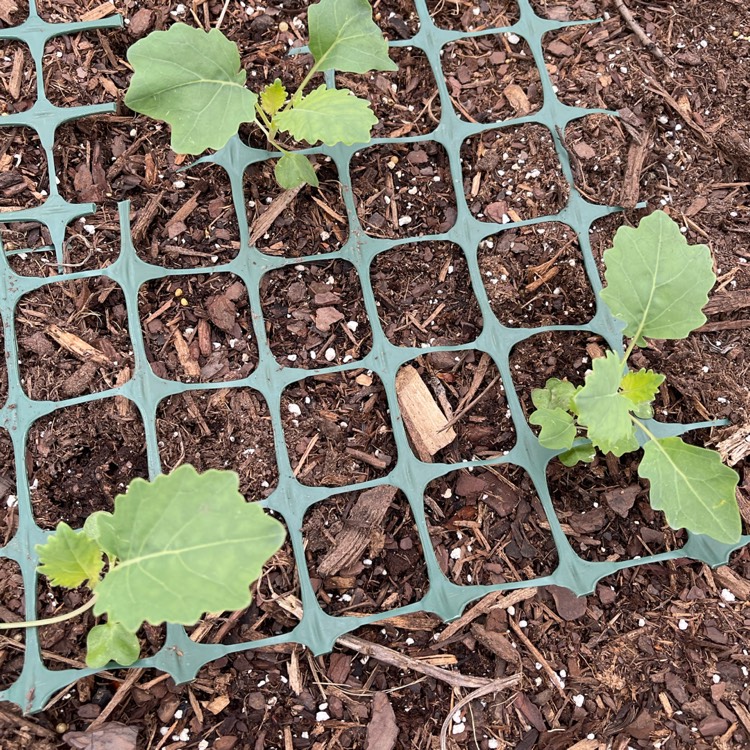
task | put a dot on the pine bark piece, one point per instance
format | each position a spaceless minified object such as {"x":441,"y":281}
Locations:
{"x":99,"y":12}
{"x":365,"y":517}
{"x":77,"y":346}
{"x":423,"y":418}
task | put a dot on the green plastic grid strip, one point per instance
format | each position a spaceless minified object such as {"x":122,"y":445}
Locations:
{"x":181,"y":657}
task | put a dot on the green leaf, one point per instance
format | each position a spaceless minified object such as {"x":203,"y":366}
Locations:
{"x":192,"y":80}
{"x":656,"y":282}
{"x":272,"y":97}
{"x":111,"y":641}
{"x":585,"y":453}
{"x":642,"y":386}
{"x":603,"y":410}
{"x":344,"y":37}
{"x":328,"y":115}
{"x":294,"y":169}
{"x":693,"y":488}
{"x":68,"y":558}
{"x":185,"y":544}
{"x":555,"y":394}
{"x":558,"y":430}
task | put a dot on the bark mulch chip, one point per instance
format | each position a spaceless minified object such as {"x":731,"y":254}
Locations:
{"x":13,"y":609}
{"x":8,"y":500}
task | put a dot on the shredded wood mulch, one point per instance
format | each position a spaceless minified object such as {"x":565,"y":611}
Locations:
{"x":657,"y":656}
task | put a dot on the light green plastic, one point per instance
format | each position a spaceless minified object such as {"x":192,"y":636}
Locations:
{"x":181,"y":657}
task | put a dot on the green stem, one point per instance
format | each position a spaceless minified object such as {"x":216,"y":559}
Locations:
{"x":50,"y":620}
{"x":637,"y":422}
{"x":271,"y":139}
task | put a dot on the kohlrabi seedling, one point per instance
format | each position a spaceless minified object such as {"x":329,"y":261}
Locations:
{"x":657,"y":284}
{"x":193,"y":81}
{"x":173,"y":549}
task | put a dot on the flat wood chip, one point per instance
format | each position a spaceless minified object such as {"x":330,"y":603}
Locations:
{"x":101,"y":11}
{"x":424,"y":420}
{"x":365,"y":517}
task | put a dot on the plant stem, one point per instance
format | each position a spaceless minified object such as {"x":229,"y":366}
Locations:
{"x":50,"y":620}
{"x":271,"y":139}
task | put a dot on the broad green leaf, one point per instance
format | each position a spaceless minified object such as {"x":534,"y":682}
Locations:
{"x":97,"y":527}
{"x":642,"y":386}
{"x":294,"y":169}
{"x":272,"y":97}
{"x":111,"y":642}
{"x":656,"y":282}
{"x":328,"y":115}
{"x":344,"y":37}
{"x":693,"y":488}
{"x":558,"y":430}
{"x":185,"y":544}
{"x":585,"y":453}
{"x":192,"y":80}
{"x":603,"y":410}
{"x":556,"y":393}
{"x":68,"y":558}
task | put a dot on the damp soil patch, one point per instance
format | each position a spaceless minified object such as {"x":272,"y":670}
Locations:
{"x":299,"y":222}
{"x":198,"y":328}
{"x":513,"y":174}
{"x":492,"y":78}
{"x":315,"y":314}
{"x":403,"y":190}
{"x":363,"y":552}
{"x":338,"y":428}
{"x":473,"y":16}
{"x":24,"y":179}
{"x":13,"y":608}
{"x":80,"y":457}
{"x":227,"y":428}
{"x":73,"y":339}
{"x":535,"y":276}
{"x":425,"y":295}
{"x":487,"y":526}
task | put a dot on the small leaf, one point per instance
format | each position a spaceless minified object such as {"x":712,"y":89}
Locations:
{"x":344,"y":37}
{"x":185,"y":544}
{"x":294,"y":169}
{"x":693,"y":488}
{"x":656,"y":282}
{"x":193,"y":81}
{"x":555,"y":394}
{"x":642,"y":386}
{"x":603,"y":410}
{"x":68,"y":558}
{"x":585,"y":453}
{"x":328,"y":115}
{"x":272,"y":97}
{"x":97,"y":527}
{"x":111,"y":642}
{"x":558,"y":430}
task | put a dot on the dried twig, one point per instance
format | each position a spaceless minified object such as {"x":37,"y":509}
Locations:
{"x":495,"y":686}
{"x":637,"y":29}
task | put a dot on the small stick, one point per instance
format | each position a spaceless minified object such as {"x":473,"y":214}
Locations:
{"x":401,"y":661}
{"x":538,"y":656}
{"x":636,"y":28}
{"x":495,"y":686}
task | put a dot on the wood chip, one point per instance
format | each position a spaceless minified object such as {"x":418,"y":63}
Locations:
{"x":100,"y":11}
{"x":424,"y":420}
{"x":517,"y":99}
{"x":218,"y":704}
{"x":16,"y":75}
{"x":7,"y":8}
{"x":77,"y":346}
{"x":365,"y":518}
{"x":736,"y":446}
{"x":191,"y":367}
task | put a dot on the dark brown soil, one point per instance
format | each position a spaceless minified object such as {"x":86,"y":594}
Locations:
{"x":656,"y":657}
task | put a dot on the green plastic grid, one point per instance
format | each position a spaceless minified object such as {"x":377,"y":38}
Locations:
{"x":181,"y":657}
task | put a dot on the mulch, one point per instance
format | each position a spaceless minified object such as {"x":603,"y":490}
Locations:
{"x":657,"y":656}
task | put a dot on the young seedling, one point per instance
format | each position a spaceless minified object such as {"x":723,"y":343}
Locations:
{"x":173,"y":549}
{"x":192,"y":80}
{"x":657,"y":284}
